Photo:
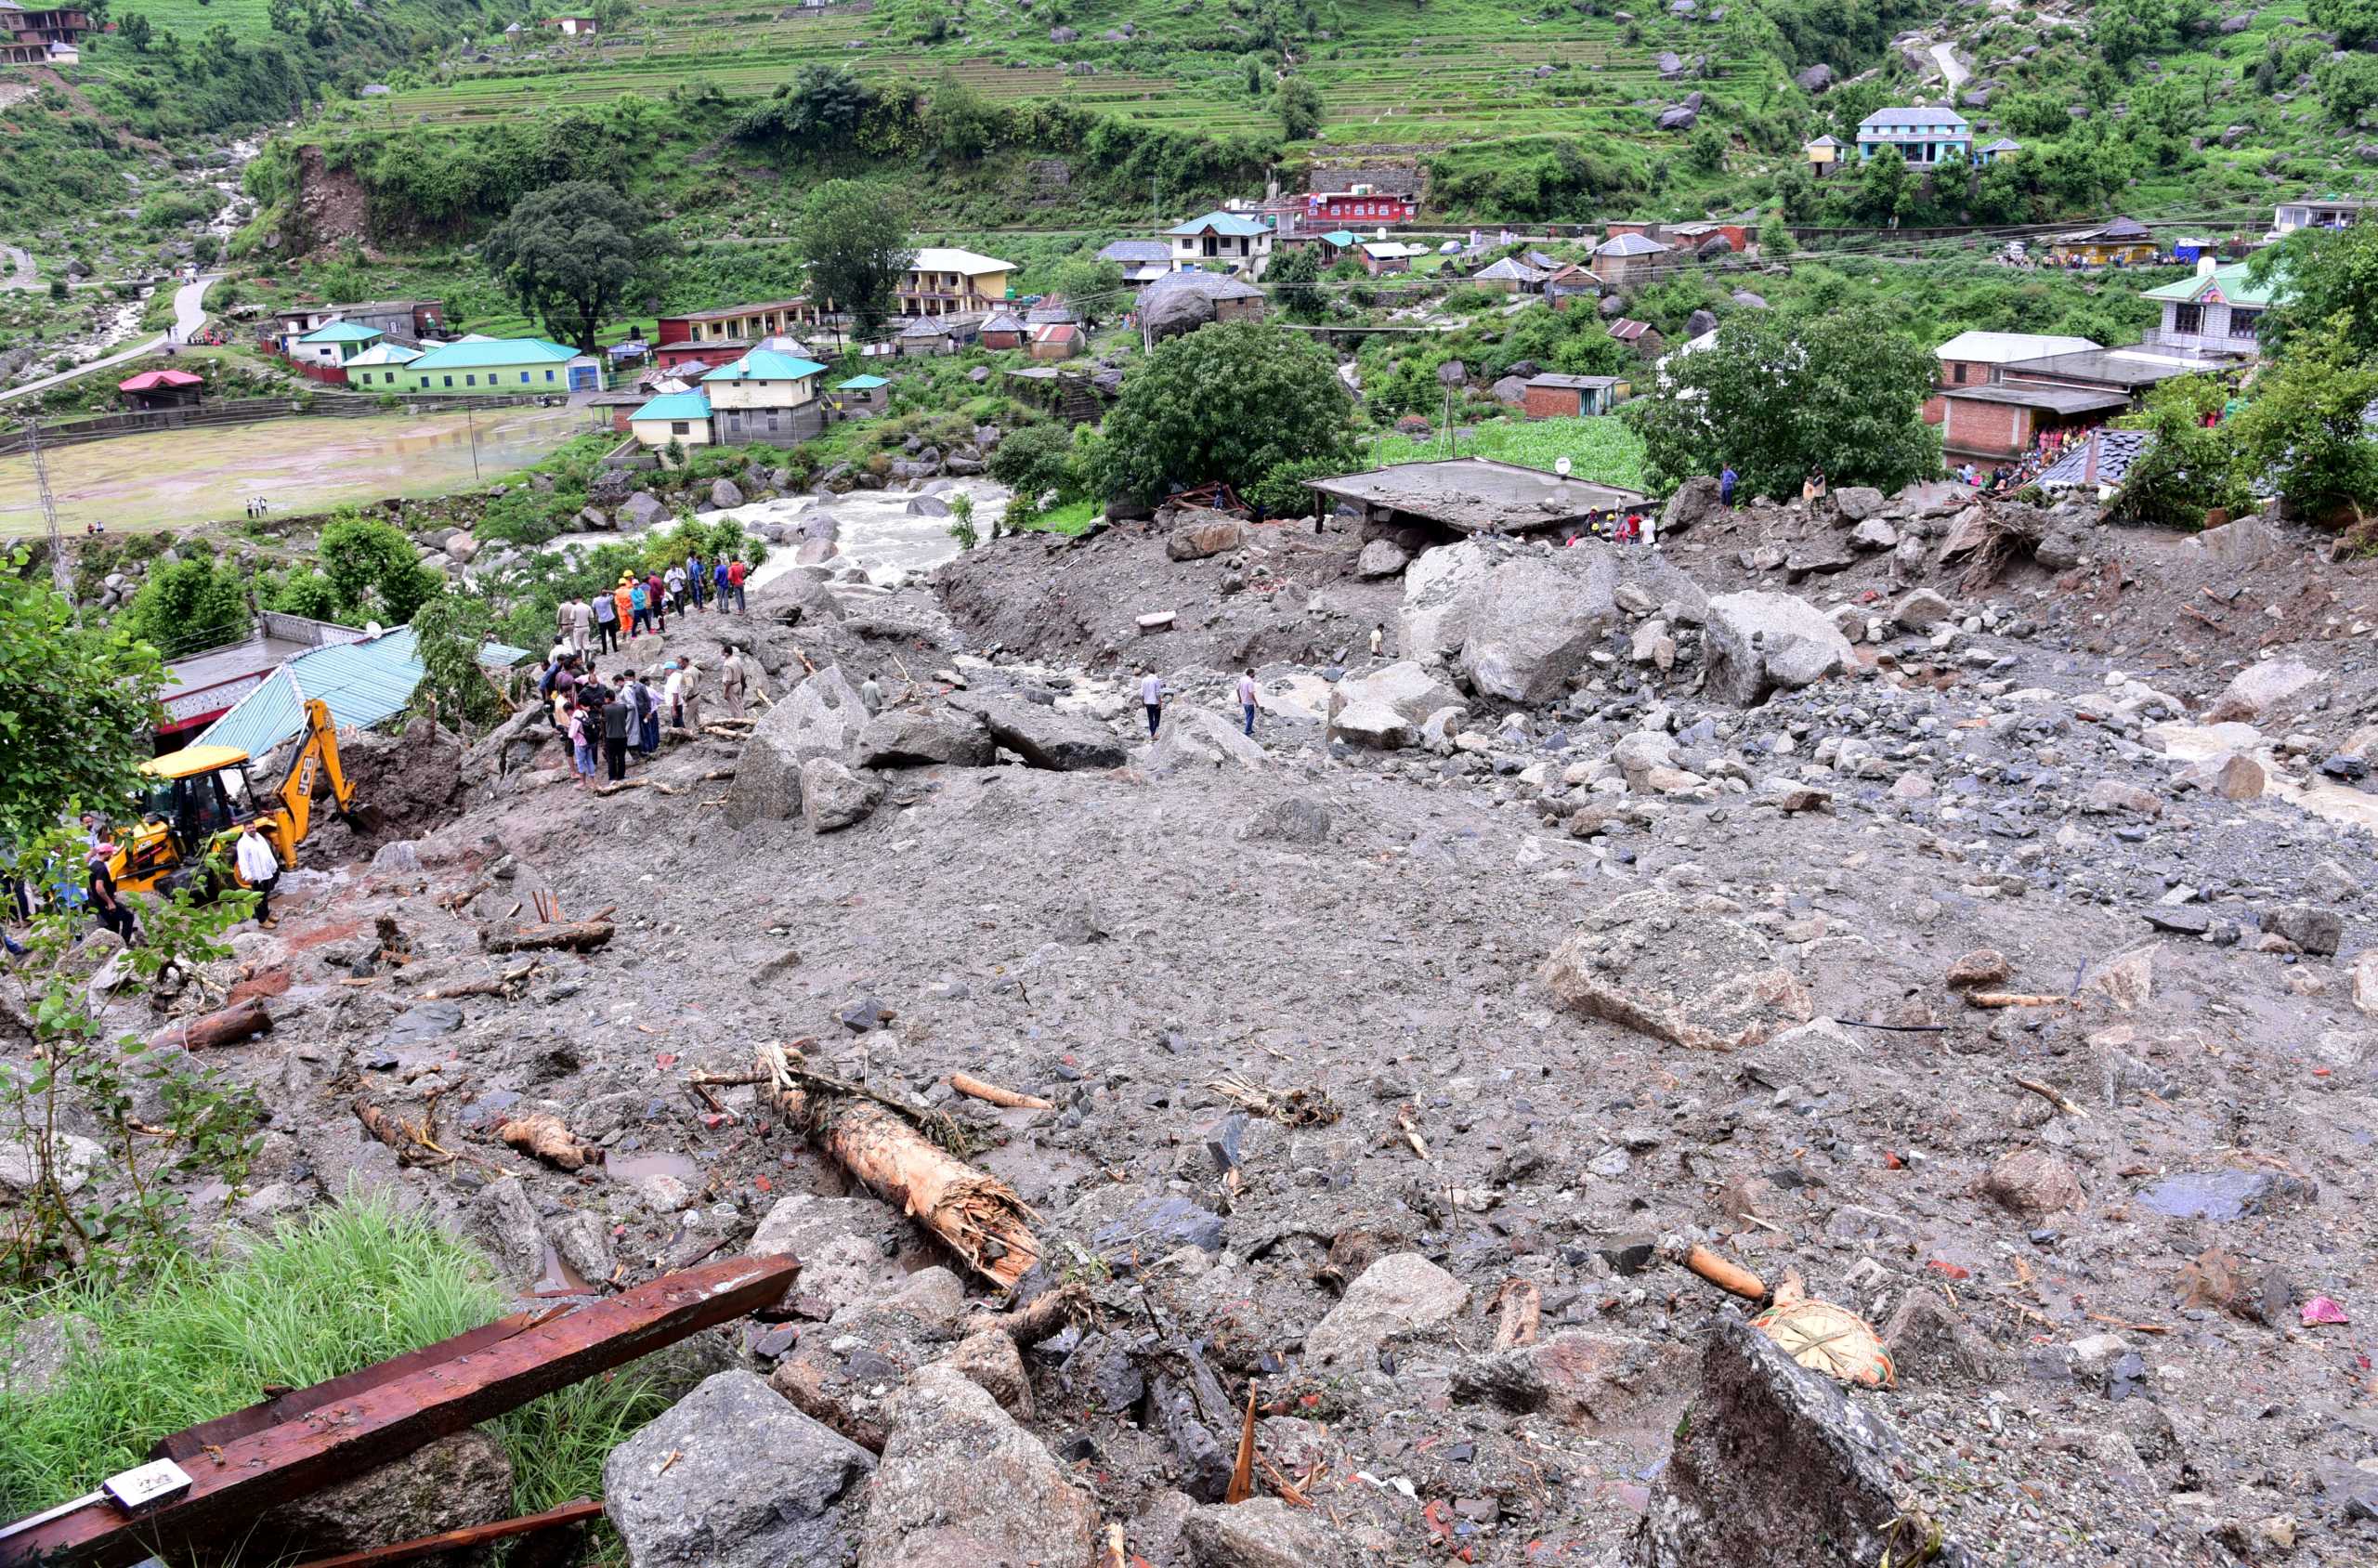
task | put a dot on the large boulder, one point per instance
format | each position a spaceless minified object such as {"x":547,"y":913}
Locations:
{"x":1375,"y":725}
{"x":1401,"y":1294}
{"x":1406,"y":686}
{"x":918,"y":736}
{"x":1815,"y":79}
{"x":1858,"y":503}
{"x":1696,"y":500}
{"x":961,"y":1485}
{"x":1200,"y":533}
{"x":1437,"y":599}
{"x":834,"y":795}
{"x":1381,"y":558}
{"x":1259,"y":1533}
{"x":2270,"y":686}
{"x":1655,"y":963}
{"x":1758,"y":642}
{"x":1043,"y":736}
{"x":1199,"y":738}
{"x":732,"y":1476}
{"x":821,"y":717}
{"x":724,"y":492}
{"x":1773,"y":1463}
{"x":1539,"y":618}
{"x":642,"y":510}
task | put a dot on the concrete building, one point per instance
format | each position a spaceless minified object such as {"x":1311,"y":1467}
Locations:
{"x":378,"y":368}
{"x":1143,"y":261}
{"x":1469,"y":495}
{"x":682,"y":417}
{"x":766,"y":396}
{"x":1220,"y":242}
{"x":945,"y":281}
{"x":2217,"y":311}
{"x":1974,"y":358}
{"x":1554,"y":396}
{"x":1921,"y":135}
{"x":1627,"y":259}
{"x":503,"y":364}
{"x":331,"y":346}
{"x":2316,"y":212}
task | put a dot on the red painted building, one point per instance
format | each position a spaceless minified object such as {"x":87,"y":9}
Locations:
{"x":1360,"y":206}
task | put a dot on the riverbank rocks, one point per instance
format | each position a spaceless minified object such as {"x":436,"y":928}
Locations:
{"x":1403,"y":1293}
{"x":821,"y":717}
{"x":1758,"y":643}
{"x":1773,"y":1463}
{"x":961,"y":1485}
{"x":732,"y":1476}
{"x":1653,"y":963}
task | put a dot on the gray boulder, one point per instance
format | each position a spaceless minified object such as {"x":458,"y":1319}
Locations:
{"x":1199,"y":738}
{"x":1678,"y":119}
{"x":839,"y":1241}
{"x":640,"y":511}
{"x":1815,"y":79}
{"x":919,"y":737}
{"x":1043,"y":736}
{"x":1202,"y":533}
{"x":2266,"y":687}
{"x":821,"y":717}
{"x":754,"y":1484}
{"x":1403,"y":1293}
{"x":834,"y":795}
{"x":961,"y":1484}
{"x":1539,"y":618}
{"x":458,"y":1480}
{"x":1858,"y":503}
{"x":1381,"y":558}
{"x":1758,"y":642}
{"x":928,"y":506}
{"x":1406,"y":686}
{"x":1437,"y":599}
{"x":724,"y":492}
{"x":1259,"y":1533}
{"x":1375,"y":725}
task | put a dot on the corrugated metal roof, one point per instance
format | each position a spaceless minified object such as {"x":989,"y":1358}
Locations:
{"x":363,"y":683}
{"x":860,"y":383}
{"x":675,"y":405}
{"x":766,"y":364}
{"x":341,"y":331}
{"x":478,"y":353}
{"x":1913,"y":119}
{"x":1230,"y":224}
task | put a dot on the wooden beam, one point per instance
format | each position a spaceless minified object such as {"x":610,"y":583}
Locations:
{"x":457,"y":1540}
{"x":353,"y":1433}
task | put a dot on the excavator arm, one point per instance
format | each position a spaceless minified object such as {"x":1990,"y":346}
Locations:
{"x":315,"y":757}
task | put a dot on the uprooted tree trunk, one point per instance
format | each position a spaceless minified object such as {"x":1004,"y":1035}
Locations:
{"x":229,"y":1026}
{"x":980,"y":1217}
{"x":577,"y":937}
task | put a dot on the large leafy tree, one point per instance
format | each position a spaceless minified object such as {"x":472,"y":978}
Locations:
{"x":2306,"y":430}
{"x":2317,"y":275}
{"x":1294,"y":277}
{"x":188,"y":605}
{"x":374,"y":572}
{"x":1780,"y":393}
{"x":2354,"y":22}
{"x":1299,"y":108}
{"x":817,"y":111}
{"x":81,"y":708}
{"x":570,"y":253}
{"x":854,"y":236}
{"x":2189,"y":469}
{"x":1229,"y":402}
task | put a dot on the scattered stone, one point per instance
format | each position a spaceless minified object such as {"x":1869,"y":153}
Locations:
{"x":1403,"y":1293}
{"x":834,"y":796}
{"x":1043,"y":736}
{"x":2267,"y":687}
{"x":1758,"y":642}
{"x":1653,"y":963}
{"x":1263,"y":1532}
{"x":2034,"y":1184}
{"x":2312,"y":928}
{"x":961,"y":1484}
{"x":1984,"y":966}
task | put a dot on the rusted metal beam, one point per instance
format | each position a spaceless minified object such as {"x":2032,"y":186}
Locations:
{"x":457,"y":1540}
{"x":345,"y":1436}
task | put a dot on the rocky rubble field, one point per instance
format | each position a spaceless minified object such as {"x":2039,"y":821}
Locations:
{"x":1941,"y":930}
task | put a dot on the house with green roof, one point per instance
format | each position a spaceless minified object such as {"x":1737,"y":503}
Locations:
{"x":2219,"y":310}
{"x":491,"y":365}
{"x":377,"y":368}
{"x":1220,"y":242}
{"x":332,"y":344}
{"x":861,"y":395}
{"x":768,"y":396}
{"x":682,"y":417}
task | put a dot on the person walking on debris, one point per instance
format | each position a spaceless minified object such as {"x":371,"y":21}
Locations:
{"x":648,"y":714}
{"x":677,"y":585}
{"x":605,"y":614}
{"x":690,"y":695}
{"x":736,"y":572}
{"x":581,"y":743}
{"x":258,"y":867}
{"x":718,"y":581}
{"x":657,"y":591}
{"x":582,"y":627}
{"x":1378,"y":637}
{"x":730,"y":683}
{"x":1725,"y":480}
{"x":639,"y":608}
{"x":1152,"y":699}
{"x":623,"y":609}
{"x":1813,"y":487}
{"x":616,"y":717}
{"x":871,"y":695}
{"x":698,"y":580}
{"x":1247,"y":690}
{"x":107,"y":902}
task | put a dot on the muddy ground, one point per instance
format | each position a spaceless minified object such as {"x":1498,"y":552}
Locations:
{"x":2092,"y":1221}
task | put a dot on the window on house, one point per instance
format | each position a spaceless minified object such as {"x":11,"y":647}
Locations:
{"x":549,"y":375}
{"x":2188,"y":318}
{"x":450,"y":381}
{"x":1957,"y":374}
{"x":2243,"y":322}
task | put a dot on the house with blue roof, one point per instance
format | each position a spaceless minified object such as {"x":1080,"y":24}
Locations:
{"x":1922,"y":136}
{"x":682,"y":417}
{"x":1221,"y":241}
{"x":332,"y":344}
{"x":768,"y":395}
{"x":486,"y":365}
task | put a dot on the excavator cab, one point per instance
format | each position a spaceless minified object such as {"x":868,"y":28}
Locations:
{"x":195,"y":799}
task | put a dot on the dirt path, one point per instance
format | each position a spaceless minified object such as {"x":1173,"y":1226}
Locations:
{"x":190,"y":314}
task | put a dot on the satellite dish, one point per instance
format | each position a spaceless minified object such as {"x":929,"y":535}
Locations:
{"x":1561,"y":466}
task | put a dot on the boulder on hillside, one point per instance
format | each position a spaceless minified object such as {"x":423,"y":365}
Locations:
{"x":961,"y":1484}
{"x":642,"y":510}
{"x":2271,"y":687}
{"x":1043,"y":736}
{"x":821,"y":717}
{"x":834,"y":795}
{"x":1815,"y":79}
{"x":1374,"y":724}
{"x":1758,"y":642}
{"x":1677,"y":118}
{"x":1200,"y":533}
{"x":1696,"y":500}
{"x":732,"y":1476}
{"x":1381,"y":558}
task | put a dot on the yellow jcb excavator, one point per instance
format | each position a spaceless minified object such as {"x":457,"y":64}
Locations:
{"x":197,"y":798}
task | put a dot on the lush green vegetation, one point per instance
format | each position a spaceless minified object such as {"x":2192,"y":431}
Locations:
{"x":322,"y":1297}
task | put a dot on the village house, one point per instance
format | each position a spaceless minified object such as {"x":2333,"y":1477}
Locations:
{"x":616,"y":407}
{"x":328,"y":348}
{"x":1973,"y":359}
{"x":1569,"y":283}
{"x":1510,"y":275}
{"x":1823,"y":155}
{"x":2217,"y":311}
{"x":1005,"y":329}
{"x":944,"y":282}
{"x":730,"y":329}
{"x":1627,"y":260}
{"x":1221,"y":243}
{"x":1641,"y":337}
{"x":1553,"y":396}
{"x":682,"y":417}
{"x":2316,"y":212}
{"x":290,"y":325}
{"x":2122,"y":242}
{"x":1384,"y":258}
{"x":49,"y":37}
{"x":1698,"y":238}
{"x":1920,"y":136}
{"x":861,"y":396}
{"x":161,"y":389}
{"x":1143,"y":261}
{"x":938,"y":334}
{"x":1991,"y":152}
{"x":1364,"y":204}
{"x":1334,"y":243}
{"x":495,"y":365}
{"x":570,"y":27}
{"x":1056,"y":340}
{"x":2006,"y":419}
{"x":1645,"y":228}
{"x":377,"y":368}
{"x":766,"y":396}
{"x":1053,"y":308}
{"x":403,"y":320}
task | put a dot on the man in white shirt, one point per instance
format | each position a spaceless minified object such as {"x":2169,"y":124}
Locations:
{"x":1246,"y":697}
{"x":258,"y":867}
{"x":1152,"y":698}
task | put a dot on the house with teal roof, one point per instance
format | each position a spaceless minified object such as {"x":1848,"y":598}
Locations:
{"x":2218,"y":310}
{"x":332,"y":344}
{"x":491,"y":365}
{"x":767,"y":394}
{"x":682,"y":417}
{"x":1221,"y":241}
{"x":377,"y":368}
{"x":861,"y":395}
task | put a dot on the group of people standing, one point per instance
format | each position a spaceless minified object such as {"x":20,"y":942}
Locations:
{"x":603,"y":621}
{"x":605,"y":722}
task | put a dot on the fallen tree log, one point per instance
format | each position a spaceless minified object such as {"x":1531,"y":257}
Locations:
{"x":229,"y":1026}
{"x":493,"y":985}
{"x":977,"y":1088}
{"x":980,"y":1217}
{"x":577,"y":937}
{"x":543,"y":1136}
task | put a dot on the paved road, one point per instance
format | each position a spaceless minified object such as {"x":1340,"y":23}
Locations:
{"x":190,"y":314}
{"x":1949,"y":66}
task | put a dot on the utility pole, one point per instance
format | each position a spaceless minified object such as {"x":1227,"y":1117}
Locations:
{"x":470,"y":417}
{"x":60,"y":577}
